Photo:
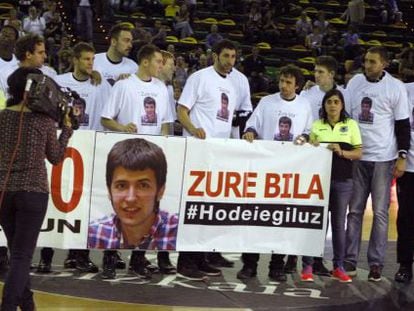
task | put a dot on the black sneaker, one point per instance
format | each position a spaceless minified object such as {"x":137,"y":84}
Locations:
{"x":246,"y":273}
{"x":109,"y":264}
{"x":84,"y":263}
{"x":4,"y":259}
{"x":374,"y":273}
{"x":120,"y":263}
{"x":164,"y":263}
{"x":151,"y":267}
{"x":291,"y":264}
{"x":319,"y":268}
{"x":45,"y":264}
{"x":404,"y":274}
{"x":191,"y":272}
{"x":277,"y":275}
{"x":217,"y":260}
{"x":70,"y":261}
{"x":208,"y":269}
{"x":350,"y":269}
{"x":138,"y":265}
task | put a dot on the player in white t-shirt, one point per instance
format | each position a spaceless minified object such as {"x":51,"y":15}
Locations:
{"x":92,"y":96}
{"x":324,"y":72}
{"x":283,"y":116}
{"x":405,"y":218}
{"x":385,"y":138}
{"x":114,"y":64}
{"x":132,"y":99}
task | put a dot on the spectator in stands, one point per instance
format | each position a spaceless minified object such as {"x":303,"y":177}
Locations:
{"x":254,"y":69}
{"x":141,"y":36}
{"x":355,"y":13}
{"x":172,"y":9}
{"x":171,"y":48}
{"x":254,"y":23}
{"x":303,"y":27}
{"x":14,"y":21}
{"x":50,"y":13}
{"x":181,"y":71}
{"x":182,"y":22}
{"x":158,"y":34}
{"x":34,"y":23}
{"x":84,"y":19}
{"x":389,"y":12}
{"x":213,"y":37}
{"x":313,"y":41}
{"x":351,"y":43}
{"x":406,"y":65}
{"x":321,"y":22}
{"x":53,"y":36}
{"x":330,"y":42}
{"x":270,"y":31}
{"x":24,"y":5}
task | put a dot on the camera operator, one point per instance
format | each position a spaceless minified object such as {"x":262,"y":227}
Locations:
{"x":28,"y":138}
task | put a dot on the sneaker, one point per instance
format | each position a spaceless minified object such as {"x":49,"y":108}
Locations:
{"x":138,"y":265}
{"x":164,"y":263}
{"x":277,"y":275}
{"x":217,"y":259}
{"x":319,"y":268}
{"x":84,"y":263}
{"x":246,"y":273}
{"x":151,"y":267}
{"x":306,"y":274}
{"x":340,"y":275}
{"x":191,"y":272}
{"x":70,"y":261}
{"x":45,"y":264}
{"x":350,"y":269}
{"x":374,"y":273}
{"x":109,"y":263}
{"x":291,"y":264}
{"x":208,"y":269}
{"x":120,"y":263}
{"x":404,"y":274}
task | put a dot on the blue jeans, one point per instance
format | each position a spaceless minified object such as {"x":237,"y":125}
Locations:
{"x":375,"y":178}
{"x":340,"y":196}
{"x":21,"y":217}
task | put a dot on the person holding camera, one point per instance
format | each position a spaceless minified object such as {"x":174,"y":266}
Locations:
{"x":28,"y":138}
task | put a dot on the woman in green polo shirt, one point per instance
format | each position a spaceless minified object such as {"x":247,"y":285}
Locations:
{"x":343,"y":137}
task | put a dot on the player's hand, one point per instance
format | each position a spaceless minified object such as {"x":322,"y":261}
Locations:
{"x":199,"y":133}
{"x":399,"y":167}
{"x":335,"y":148}
{"x":309,"y":84}
{"x":299,"y":140}
{"x":96,"y":78}
{"x":249,"y":136}
{"x":123,"y":76}
{"x":130,"y":128}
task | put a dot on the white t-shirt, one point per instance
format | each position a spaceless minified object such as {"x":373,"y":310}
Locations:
{"x":171,"y":102}
{"x":410,"y":157}
{"x":4,"y":64}
{"x":205,"y":94}
{"x":127,"y":100}
{"x":315,"y":95}
{"x":389,"y":103}
{"x":111,"y":71}
{"x":241,"y":84}
{"x":95,"y":97}
{"x":36,"y":26}
{"x":272,"y":109}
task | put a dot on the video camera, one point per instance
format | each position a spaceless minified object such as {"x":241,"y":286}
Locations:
{"x":45,"y":96}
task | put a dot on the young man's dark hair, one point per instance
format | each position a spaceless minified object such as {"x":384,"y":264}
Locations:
{"x":293,"y":71}
{"x":14,"y":29}
{"x":146,"y":52}
{"x":149,"y":101}
{"x":223,"y":44}
{"x":367,"y":100}
{"x":137,"y":154}
{"x":27,"y":44}
{"x":328,"y":62}
{"x":381,"y":51}
{"x":82,"y":47}
{"x":116,"y":30}
{"x":343,"y":115}
{"x":16,"y":84}
{"x":285,"y":120}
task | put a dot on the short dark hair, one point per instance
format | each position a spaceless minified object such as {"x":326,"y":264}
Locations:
{"x":224,"y":96}
{"x":294,"y":71}
{"x":16,"y":32}
{"x":147,"y":52}
{"x":223,"y":44}
{"x":328,"y":62}
{"x":27,"y":43}
{"x":381,"y":51}
{"x":116,"y":30}
{"x":343,"y":116}
{"x":366,"y":100}
{"x":82,"y":47}
{"x":16,"y":84}
{"x":285,"y":120}
{"x":149,"y":101}
{"x":137,"y":154}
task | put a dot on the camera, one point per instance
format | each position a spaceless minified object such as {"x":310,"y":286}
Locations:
{"x":45,"y":96}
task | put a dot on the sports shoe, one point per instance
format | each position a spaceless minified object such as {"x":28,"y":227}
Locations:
{"x":404,"y":274}
{"x":45,"y":264}
{"x":70,"y":261}
{"x":246,"y":273}
{"x":208,"y":269}
{"x":120,"y":263}
{"x":217,"y":259}
{"x":350,"y":269}
{"x":306,"y":274}
{"x":84,"y":263}
{"x":109,"y":263}
{"x":138,"y":265}
{"x":319,"y":268}
{"x":277,"y":275}
{"x":191,"y":272}
{"x":374,"y":273}
{"x":164,"y":263}
{"x":340,"y":275}
{"x":291,"y":264}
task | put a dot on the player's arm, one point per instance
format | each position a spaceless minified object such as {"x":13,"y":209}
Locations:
{"x":113,"y":125}
{"x":184,"y":118}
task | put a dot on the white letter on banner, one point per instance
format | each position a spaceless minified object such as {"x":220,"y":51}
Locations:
{"x":206,"y":211}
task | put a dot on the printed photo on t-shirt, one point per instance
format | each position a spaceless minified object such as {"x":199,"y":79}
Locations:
{"x":284,"y":134}
{"x":366,"y":116}
{"x":150,"y":115}
{"x":223,"y":113}
{"x":80,"y":109}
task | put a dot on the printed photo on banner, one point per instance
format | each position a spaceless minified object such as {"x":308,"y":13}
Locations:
{"x":136,"y":192}
{"x":271,"y":198}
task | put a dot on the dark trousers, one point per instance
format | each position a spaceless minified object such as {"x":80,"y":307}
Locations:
{"x":405,"y":219}
{"x":21,"y":217}
{"x":191,"y":258}
{"x":276,"y":262}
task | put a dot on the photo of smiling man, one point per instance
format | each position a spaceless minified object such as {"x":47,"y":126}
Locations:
{"x":136,"y":171}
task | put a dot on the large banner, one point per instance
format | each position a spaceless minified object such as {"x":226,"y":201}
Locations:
{"x":118,"y":190}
